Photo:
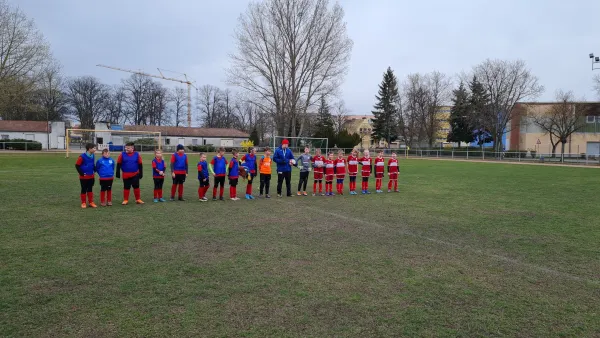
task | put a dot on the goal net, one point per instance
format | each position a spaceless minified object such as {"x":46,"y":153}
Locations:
{"x":113,"y":140}
{"x":297,"y":144}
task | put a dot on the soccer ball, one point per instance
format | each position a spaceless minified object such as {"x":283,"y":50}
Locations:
{"x":293,"y":162}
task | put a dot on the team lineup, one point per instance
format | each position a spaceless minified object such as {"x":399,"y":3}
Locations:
{"x":129,"y":167}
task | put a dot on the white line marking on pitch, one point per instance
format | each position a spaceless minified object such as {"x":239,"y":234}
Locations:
{"x":467,"y":248}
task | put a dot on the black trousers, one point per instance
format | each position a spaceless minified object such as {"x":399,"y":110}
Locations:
{"x":158,"y":183}
{"x":106,"y":185}
{"x":303,"y":181}
{"x":265,"y":183}
{"x":179,"y":179}
{"x":287,"y":175}
{"x":233,"y":182}
{"x":86,"y":185}
{"x":219,"y":180}
{"x":132,"y":182}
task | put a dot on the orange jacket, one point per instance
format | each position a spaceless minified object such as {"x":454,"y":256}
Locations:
{"x":265,"y":165}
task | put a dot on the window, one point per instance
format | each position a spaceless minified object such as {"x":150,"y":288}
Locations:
{"x":100,"y":140}
{"x":4,"y":137}
{"x":591,"y":119}
{"x":167,"y":141}
{"x":203,"y":142}
{"x":194,"y":141}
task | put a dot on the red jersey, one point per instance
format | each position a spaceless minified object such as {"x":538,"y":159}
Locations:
{"x":352,"y":165}
{"x":366,"y":163}
{"x":329,"y":167}
{"x":393,"y":166}
{"x":379,"y":165}
{"x":318,"y":164}
{"x":340,"y":167}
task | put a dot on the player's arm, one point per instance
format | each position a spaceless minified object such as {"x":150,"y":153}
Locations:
{"x":119,"y":160}
{"x":78,"y":165}
{"x":141,"y":167}
{"x":154,"y":169}
{"x":186,"y":166}
{"x":172,"y":163}
{"x":200,"y":173}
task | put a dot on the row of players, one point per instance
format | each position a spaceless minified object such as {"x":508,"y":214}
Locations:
{"x":129,"y":164}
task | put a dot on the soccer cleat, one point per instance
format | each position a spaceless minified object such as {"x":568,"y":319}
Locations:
{"x":268,"y":196}
{"x":125,"y":202}
{"x":181,"y":199}
{"x":204,"y":199}
{"x":139,"y":202}
{"x":93,"y":205}
{"x":251,"y":197}
{"x":389,"y":190}
{"x":396,"y":190}
{"x":109,"y":204}
{"x":299,"y":193}
{"x":364,"y":192}
{"x":214,"y":198}
{"x":83,"y":205}
{"x":221,"y":199}
{"x":155,"y":200}
{"x":260,"y":196}
{"x":161,"y":200}
{"x":367,"y":192}
{"x":172,"y":199}
{"x":314,"y":194}
{"x":331,"y":194}
{"x":103,"y":204}
{"x":290,"y":195}
{"x":279,"y":195}
{"x":322,"y":194}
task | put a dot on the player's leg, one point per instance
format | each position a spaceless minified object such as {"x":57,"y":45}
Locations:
{"x":174,"y":188}
{"x":280,"y":178}
{"x":261,"y":187}
{"x":305,"y":183}
{"x":300,"y":184}
{"x":83,"y":193}
{"x":103,"y":193}
{"x":126,"y":188}
{"x":135,"y":183}
{"x":216,"y":184}
{"x":288,"y":182}
{"x":267,"y":185}
{"x":180,"y":182}
{"x":221,"y":187}
{"x":156,"y":189}
{"x":109,"y":184}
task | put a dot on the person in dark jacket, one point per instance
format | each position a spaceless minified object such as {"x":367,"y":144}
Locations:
{"x":284,"y":158}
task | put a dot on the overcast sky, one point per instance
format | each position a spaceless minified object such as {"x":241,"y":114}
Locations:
{"x":554,"y":37}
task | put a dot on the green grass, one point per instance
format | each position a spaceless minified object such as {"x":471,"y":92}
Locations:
{"x":466,"y":249}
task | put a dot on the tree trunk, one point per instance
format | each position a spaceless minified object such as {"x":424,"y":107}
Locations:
{"x":562,"y":157}
{"x":554,"y":150}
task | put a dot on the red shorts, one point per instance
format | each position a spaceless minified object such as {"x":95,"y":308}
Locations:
{"x":329,"y":178}
{"x":393,"y":176}
{"x":318,"y":176}
{"x":340,"y":176}
{"x":366,"y":174}
{"x":378,"y":175}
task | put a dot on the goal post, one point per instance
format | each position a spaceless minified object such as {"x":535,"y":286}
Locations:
{"x":113,"y":140}
{"x":297,"y":144}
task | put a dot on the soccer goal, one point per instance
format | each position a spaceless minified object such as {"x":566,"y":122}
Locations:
{"x":113,"y":140}
{"x":297,"y":144}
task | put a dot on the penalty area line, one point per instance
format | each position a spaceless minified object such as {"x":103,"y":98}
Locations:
{"x":505,"y":259}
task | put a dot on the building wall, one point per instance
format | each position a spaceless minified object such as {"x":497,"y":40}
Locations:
{"x":57,"y":136}
{"x":361,"y":126}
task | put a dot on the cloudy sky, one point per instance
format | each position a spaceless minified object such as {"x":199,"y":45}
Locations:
{"x":554,"y":37}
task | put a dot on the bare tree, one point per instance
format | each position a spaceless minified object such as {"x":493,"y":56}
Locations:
{"x":416,"y":109}
{"x":138,"y":90}
{"x":209,"y":102}
{"x":339,"y":116}
{"x":116,"y":111}
{"x":156,"y":105}
{"x":562,"y":119}
{"x":506,"y":82}
{"x":50,"y":94}
{"x":88,"y":98}
{"x":23,"y":50}
{"x":179,"y":100}
{"x":290,"y":52}
{"x":597,"y":84}
{"x":439,"y":89}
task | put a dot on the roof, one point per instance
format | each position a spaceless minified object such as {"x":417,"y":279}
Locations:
{"x":190,"y":132}
{"x":24,"y":126}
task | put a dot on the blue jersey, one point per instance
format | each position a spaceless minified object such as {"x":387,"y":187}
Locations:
{"x":179,"y":164}
{"x":87,"y":164}
{"x":105,"y":168}
{"x":219,"y":165}
{"x":130,"y":163}
{"x":234,"y":168}
{"x":158,"y":166}
{"x":250,"y":162}
{"x":202,"y":170}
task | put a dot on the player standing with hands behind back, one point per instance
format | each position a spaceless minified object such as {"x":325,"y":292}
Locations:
{"x":130,"y":162}
{"x":366,"y":166}
{"x":179,"y":171}
{"x":284,"y":159}
{"x":85,"y":168}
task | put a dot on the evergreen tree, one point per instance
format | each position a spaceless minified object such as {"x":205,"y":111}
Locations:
{"x":460,"y":128}
{"x":384,"y":120}
{"x":325,"y":127}
{"x":481,"y":120}
{"x":254,"y":136}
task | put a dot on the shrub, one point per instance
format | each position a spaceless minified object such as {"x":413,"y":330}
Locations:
{"x":21,"y":144}
{"x":209,"y":148}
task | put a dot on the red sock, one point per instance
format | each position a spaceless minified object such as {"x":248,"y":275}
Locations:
{"x":90,"y":196}
{"x":390,"y":185}
{"x":215,"y":192}
{"x":200,"y":192}
{"x":230,"y":192}
{"x":136,"y":193}
{"x":249,"y":189}
{"x":82,"y":196}
{"x":320,"y":187}
{"x":180,"y":190}
{"x":109,"y":195}
{"x":222,"y":188}
{"x":204,"y":192}
{"x":173,"y":189}
{"x":126,"y":195}
{"x":235,"y":191}
{"x":314,"y":187}
{"x":102,"y":196}
{"x":159,"y":193}
{"x":155,"y":194}
{"x":350,"y":186}
{"x":395,"y":184}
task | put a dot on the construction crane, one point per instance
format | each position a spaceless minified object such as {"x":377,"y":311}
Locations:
{"x":161,"y":76}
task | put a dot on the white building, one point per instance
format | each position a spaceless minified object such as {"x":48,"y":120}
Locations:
{"x":40,"y":131}
{"x":172,"y":136}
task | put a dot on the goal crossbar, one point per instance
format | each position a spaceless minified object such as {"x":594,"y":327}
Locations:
{"x":69,"y":138}
{"x":300,"y":142}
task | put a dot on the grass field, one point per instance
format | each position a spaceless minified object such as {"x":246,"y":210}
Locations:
{"x":466,"y":249}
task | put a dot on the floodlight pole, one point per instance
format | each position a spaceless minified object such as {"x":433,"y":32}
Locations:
{"x":595,"y":60}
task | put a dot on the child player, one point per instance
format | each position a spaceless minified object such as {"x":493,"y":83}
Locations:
{"x":249,"y":161}
{"x":130,"y":162}
{"x":85,"y":167}
{"x":304,"y":162}
{"x":340,"y":171}
{"x":158,"y":175}
{"x":105,"y":167}
{"x":366,"y":163}
{"x":264,"y":167}
{"x":318,"y":164}
{"x":203,"y":178}
{"x":353,"y":171}
{"x":379,"y":171}
{"x":393,"y":173}
{"x":179,"y":171}
{"x":329,"y":173}
{"x":218,"y":168}
{"x":233,"y":173}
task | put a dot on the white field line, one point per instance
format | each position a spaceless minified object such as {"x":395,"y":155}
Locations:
{"x":509,"y":260}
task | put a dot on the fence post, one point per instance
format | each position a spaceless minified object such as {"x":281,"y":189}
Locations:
{"x":467,"y":153}
{"x":452,"y":153}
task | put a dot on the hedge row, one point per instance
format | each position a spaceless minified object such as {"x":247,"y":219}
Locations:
{"x":20,"y":144}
